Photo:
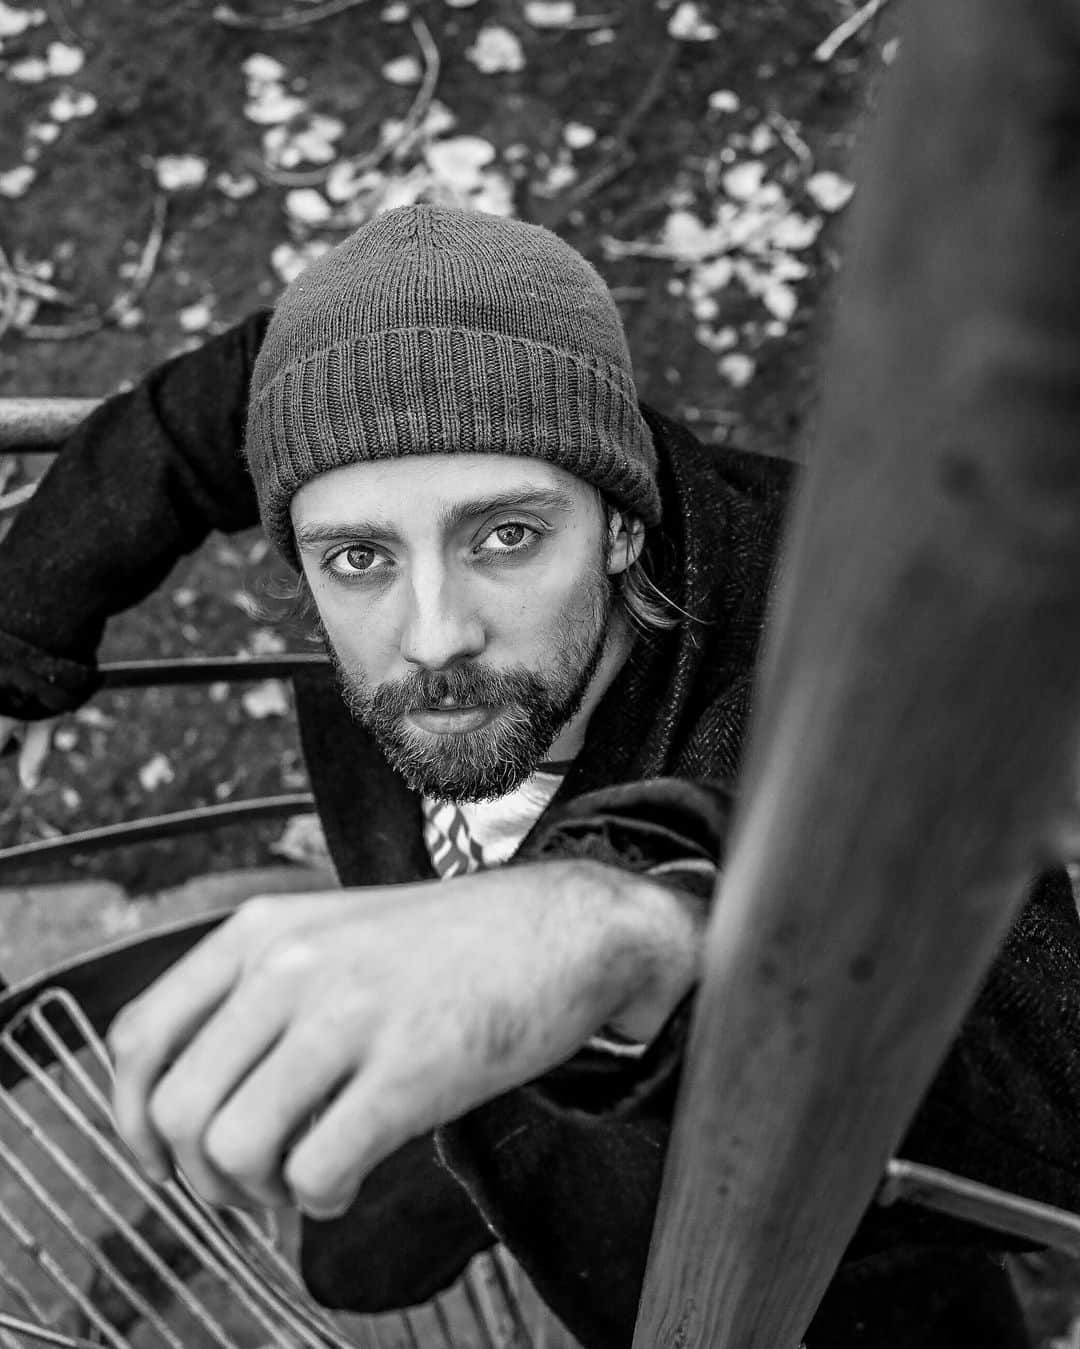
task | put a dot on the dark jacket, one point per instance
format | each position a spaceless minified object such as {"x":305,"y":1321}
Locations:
{"x":566,"y":1170}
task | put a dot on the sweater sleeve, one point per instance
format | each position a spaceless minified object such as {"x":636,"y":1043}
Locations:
{"x":138,"y":484}
{"x":1004,"y":1107}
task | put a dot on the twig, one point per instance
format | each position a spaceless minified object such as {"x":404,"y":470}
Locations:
{"x":58,"y":15}
{"x":9,"y":295}
{"x":826,"y":50}
{"x":585,"y":22}
{"x":93,"y":322}
{"x":43,"y":290}
{"x":151,"y":249}
{"x":790,"y":137}
{"x":621,"y":156}
{"x":371,"y":159}
{"x":290,"y":18}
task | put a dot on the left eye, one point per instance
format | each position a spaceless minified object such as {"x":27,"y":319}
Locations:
{"x":509,"y":538}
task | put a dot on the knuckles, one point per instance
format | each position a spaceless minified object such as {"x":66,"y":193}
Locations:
{"x":235,"y":1153}
{"x":125,"y":1037}
{"x":170,"y":1115}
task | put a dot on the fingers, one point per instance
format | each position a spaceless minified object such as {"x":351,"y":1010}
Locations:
{"x":252,"y":1133}
{"x":182,"y":1106}
{"x":358,"y":1129}
{"x":151,"y":1032}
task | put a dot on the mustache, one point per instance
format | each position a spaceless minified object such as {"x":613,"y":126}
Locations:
{"x":471,"y":685}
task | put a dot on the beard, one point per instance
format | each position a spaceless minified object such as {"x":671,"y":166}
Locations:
{"x":530,"y":709}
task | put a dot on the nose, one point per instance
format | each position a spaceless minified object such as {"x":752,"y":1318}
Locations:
{"x":441,"y":627}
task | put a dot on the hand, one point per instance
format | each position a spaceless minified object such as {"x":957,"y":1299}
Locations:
{"x":310,"y":1036}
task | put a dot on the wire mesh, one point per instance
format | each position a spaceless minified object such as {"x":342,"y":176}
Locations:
{"x":92,"y":1254}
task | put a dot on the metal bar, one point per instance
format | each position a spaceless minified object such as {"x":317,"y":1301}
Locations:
{"x":162,"y":826}
{"x":201,"y":1229}
{"x":43,"y":1335}
{"x":929,"y":1187}
{"x":137,"y":674}
{"x":26,"y":422}
{"x":94,"y":1255}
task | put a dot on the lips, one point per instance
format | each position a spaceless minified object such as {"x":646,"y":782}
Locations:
{"x":449,"y":719}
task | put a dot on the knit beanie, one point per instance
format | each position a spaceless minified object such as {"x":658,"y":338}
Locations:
{"x":433,"y":330}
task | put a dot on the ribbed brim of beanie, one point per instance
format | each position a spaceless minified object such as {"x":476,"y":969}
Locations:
{"x":438,"y":331}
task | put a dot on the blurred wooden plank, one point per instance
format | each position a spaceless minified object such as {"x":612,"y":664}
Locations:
{"x":40,"y":421}
{"x":912,"y":759}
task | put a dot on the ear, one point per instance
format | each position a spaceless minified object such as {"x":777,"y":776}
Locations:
{"x":626,"y":539}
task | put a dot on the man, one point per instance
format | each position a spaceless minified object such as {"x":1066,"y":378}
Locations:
{"x":543,"y":602}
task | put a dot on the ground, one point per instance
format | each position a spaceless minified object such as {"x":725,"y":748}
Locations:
{"x":700,"y":155}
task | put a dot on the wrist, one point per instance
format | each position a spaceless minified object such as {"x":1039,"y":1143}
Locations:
{"x":663,"y":928}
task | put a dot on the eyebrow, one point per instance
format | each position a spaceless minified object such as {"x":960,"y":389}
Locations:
{"x":450,"y":517}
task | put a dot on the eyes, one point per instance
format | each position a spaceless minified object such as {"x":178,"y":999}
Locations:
{"x":511,"y":539}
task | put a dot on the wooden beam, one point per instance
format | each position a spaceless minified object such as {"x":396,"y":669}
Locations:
{"x":912,"y":757}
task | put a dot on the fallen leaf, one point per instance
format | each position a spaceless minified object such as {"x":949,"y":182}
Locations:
{"x":30,"y":70}
{"x":195,"y":318}
{"x":403,"y":70}
{"x":235,"y":186}
{"x":64,"y":59}
{"x":272,"y":104}
{"x":577,"y":135}
{"x":830,"y":191}
{"x":33,"y":752}
{"x":16,"y":182}
{"x":496,"y":51}
{"x":459,"y":161}
{"x":289,"y":260}
{"x":737,"y":368}
{"x":156,"y":772}
{"x":268,"y":699}
{"x":15,"y":22}
{"x":688,"y":24}
{"x":303,"y":841}
{"x":72,"y":104}
{"x":176,"y":172}
{"x":550,"y":13}
{"x":744,"y":181}
{"x":723,"y":100}
{"x":262,"y":69}
{"x":266,"y":642}
{"x":308,"y":206}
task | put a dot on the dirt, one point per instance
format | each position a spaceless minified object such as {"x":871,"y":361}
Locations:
{"x":167,"y":80}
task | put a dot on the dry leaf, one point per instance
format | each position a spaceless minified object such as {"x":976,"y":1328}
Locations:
{"x":156,"y":772}
{"x":36,"y":743}
{"x":268,"y":699}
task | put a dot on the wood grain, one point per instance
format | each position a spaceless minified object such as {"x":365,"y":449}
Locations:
{"x":913,"y":750}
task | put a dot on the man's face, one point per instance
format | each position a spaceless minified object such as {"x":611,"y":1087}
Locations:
{"x":465,"y":601}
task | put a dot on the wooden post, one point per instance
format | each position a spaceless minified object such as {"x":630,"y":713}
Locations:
{"x":913,"y":750}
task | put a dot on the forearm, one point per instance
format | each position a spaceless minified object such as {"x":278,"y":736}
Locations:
{"x":141,"y":482}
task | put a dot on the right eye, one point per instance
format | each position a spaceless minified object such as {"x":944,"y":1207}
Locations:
{"x":356,"y":560}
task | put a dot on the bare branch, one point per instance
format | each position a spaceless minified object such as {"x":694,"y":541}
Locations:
{"x":826,"y":50}
{"x":287,"y":19}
